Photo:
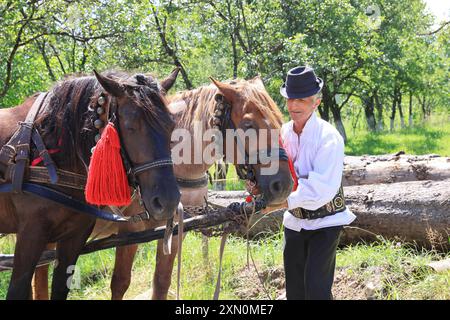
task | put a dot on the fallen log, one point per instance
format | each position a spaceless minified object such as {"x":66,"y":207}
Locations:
{"x":414,"y":212}
{"x":394,"y":168}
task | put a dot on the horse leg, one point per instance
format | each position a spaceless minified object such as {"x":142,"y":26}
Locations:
{"x":30,"y":244}
{"x":163,"y":270}
{"x":40,"y":279}
{"x":67,"y":251}
{"x":122,"y":271}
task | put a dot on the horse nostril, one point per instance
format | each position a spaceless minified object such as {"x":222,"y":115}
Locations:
{"x":275,"y":186}
{"x":156,"y":205}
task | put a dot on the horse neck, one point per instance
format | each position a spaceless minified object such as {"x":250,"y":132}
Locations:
{"x":10,"y":117}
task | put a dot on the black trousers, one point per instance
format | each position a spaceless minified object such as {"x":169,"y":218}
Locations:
{"x":309,"y":262}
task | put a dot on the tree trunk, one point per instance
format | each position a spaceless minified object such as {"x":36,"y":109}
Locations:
{"x":392,"y":117}
{"x":413,"y":211}
{"x":379,"y":106}
{"x":391,"y":168}
{"x":338,"y":120}
{"x":400,"y":110}
{"x":410,"y":118}
{"x":220,"y":176}
{"x":369,"y":107}
{"x":423,"y":105}
{"x":324,"y":107}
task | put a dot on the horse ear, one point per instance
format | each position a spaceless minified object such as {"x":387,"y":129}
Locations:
{"x":111,"y":86}
{"x":168,"y":82}
{"x":258,"y":82}
{"x":226,"y":89}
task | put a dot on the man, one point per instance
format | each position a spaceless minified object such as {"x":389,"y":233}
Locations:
{"x":316,"y":209}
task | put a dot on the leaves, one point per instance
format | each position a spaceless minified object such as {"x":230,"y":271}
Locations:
{"x":357,"y":49}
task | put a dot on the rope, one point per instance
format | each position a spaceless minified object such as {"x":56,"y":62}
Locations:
{"x":180,"y":212}
{"x":249,"y":252}
{"x":219,"y":276}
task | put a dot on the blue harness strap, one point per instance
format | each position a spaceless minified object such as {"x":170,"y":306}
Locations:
{"x":64,"y":200}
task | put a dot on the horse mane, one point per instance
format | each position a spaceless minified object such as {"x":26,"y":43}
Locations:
{"x":67,"y":124}
{"x":200,"y":103}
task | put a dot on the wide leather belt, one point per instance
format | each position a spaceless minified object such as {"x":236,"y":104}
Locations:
{"x":334,"y":206}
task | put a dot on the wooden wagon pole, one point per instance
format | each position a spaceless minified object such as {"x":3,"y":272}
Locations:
{"x":214,"y":217}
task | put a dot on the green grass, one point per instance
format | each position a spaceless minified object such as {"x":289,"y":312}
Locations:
{"x":198,"y":278}
{"x":431,"y":137}
{"x":403,"y":270}
{"x":233,"y":182}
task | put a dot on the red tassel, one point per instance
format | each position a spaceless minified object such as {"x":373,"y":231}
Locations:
{"x":291,"y":167}
{"x":107,"y":182}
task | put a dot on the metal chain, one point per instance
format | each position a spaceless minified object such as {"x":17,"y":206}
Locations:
{"x":237,"y":222}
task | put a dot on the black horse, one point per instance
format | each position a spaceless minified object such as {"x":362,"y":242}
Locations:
{"x":138,"y":109}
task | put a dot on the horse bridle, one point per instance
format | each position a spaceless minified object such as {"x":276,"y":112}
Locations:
{"x":106,"y":109}
{"x":222,"y":121}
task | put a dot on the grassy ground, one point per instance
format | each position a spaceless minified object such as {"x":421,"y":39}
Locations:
{"x":397,"y":271}
{"x":431,"y":137}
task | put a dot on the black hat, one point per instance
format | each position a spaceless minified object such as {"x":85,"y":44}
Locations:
{"x":301,"y":82}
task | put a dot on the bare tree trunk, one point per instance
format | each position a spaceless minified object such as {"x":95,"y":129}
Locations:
{"x":410,"y":119}
{"x":369,"y":106}
{"x":391,"y":168}
{"x":414,"y":211}
{"x":324,"y":107}
{"x":336,"y":111}
{"x":423,"y":105}
{"x":220,"y":175}
{"x":379,"y":106}
{"x":400,"y":110}
{"x":392,"y":117}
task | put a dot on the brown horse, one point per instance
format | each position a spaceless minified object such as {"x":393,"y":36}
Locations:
{"x":251,"y":107}
{"x":144,"y":125}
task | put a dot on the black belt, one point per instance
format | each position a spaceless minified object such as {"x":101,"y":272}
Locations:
{"x":193,"y":183}
{"x":334,"y":206}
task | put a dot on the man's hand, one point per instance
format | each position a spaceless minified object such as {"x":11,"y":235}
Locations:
{"x":268,"y":209}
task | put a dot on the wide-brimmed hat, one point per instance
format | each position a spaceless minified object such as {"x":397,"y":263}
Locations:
{"x":301,"y":82}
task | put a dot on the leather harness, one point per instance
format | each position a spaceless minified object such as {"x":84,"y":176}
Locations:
{"x":222,"y":121}
{"x":15,"y":166}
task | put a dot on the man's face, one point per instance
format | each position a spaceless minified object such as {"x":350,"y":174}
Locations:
{"x":301,"y":109}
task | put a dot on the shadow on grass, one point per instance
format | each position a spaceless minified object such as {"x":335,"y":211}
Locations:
{"x":420,"y":140}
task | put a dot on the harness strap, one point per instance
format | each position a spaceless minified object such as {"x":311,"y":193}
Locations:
{"x":65,"y":200}
{"x":167,"y":240}
{"x":23,"y":144}
{"x":155,"y":164}
{"x":193,"y":183}
{"x":65,"y":178}
{"x":44,"y":154}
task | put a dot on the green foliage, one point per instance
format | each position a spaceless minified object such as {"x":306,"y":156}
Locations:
{"x":386,"y":55}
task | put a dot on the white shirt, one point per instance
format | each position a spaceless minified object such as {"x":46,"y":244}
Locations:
{"x":318,"y":158}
